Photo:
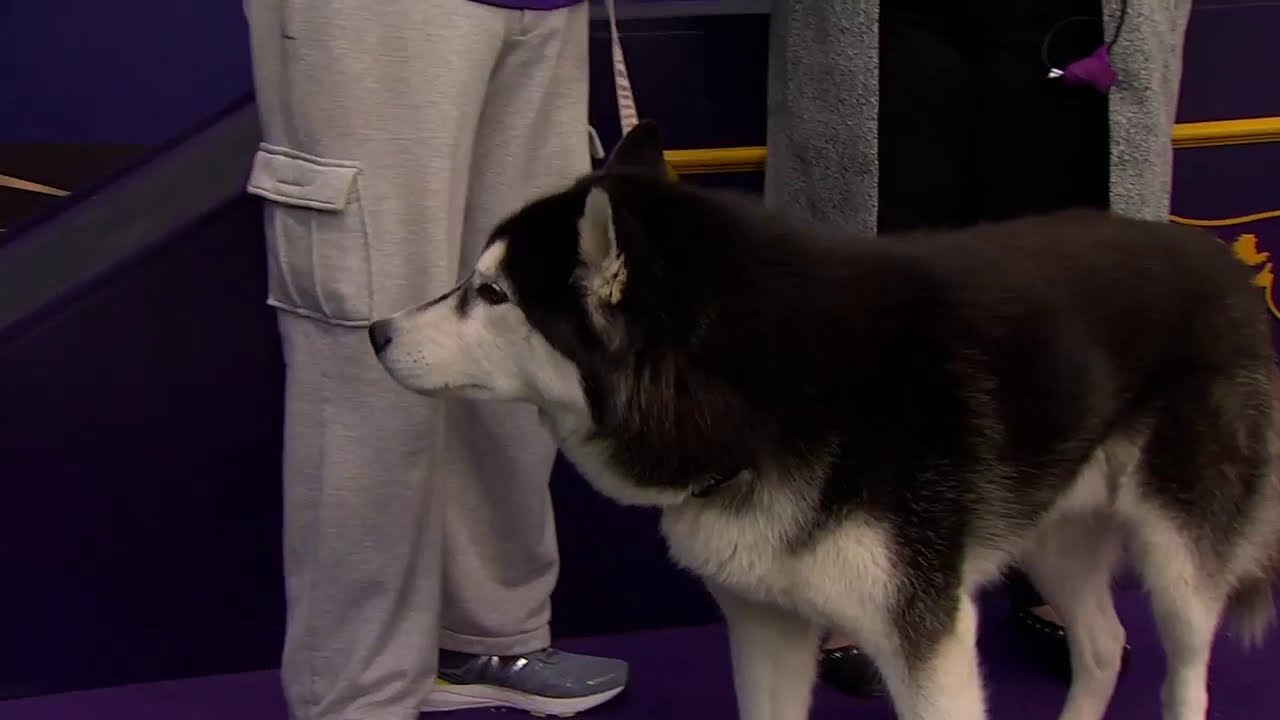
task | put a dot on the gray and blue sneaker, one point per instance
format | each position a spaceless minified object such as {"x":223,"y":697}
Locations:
{"x":546,"y":682}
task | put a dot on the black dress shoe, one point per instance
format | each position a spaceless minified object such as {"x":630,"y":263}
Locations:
{"x":1045,"y":642}
{"x":850,"y":671}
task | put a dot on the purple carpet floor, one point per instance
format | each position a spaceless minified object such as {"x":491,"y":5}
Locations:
{"x":683,"y":674}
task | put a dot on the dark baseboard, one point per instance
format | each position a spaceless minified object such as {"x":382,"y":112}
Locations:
{"x":65,"y":166}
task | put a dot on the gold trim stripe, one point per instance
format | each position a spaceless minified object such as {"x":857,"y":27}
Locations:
{"x":1226,"y":222}
{"x":1217,"y":133}
{"x":1226,"y":132}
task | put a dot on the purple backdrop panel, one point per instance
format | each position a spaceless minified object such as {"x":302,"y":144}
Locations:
{"x":141,"y":465}
{"x":1224,"y":182}
{"x":702,"y":79}
{"x":137,"y":72}
{"x":1231,"y":60}
{"x":140,"y":72}
{"x":1236,"y":190}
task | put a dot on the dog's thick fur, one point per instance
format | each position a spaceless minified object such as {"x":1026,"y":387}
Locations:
{"x":860,"y":433}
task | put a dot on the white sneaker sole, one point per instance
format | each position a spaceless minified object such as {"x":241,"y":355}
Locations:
{"x":445,"y":698}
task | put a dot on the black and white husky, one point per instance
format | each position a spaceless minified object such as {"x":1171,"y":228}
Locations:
{"x":860,"y":433}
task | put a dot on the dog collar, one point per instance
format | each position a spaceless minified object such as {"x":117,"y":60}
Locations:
{"x":714,"y":482}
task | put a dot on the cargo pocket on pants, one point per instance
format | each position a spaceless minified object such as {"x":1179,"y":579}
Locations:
{"x":318,"y":253}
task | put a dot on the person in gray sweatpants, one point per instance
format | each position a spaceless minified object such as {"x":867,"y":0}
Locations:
{"x":420,"y":549}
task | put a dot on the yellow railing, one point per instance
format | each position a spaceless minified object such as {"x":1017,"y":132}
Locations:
{"x":1185,"y":135}
{"x":716,"y":160}
{"x":751,"y":159}
{"x":1226,"y":132}
{"x":1226,"y":222}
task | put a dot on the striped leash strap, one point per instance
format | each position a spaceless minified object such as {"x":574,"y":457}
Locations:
{"x":628,"y":115}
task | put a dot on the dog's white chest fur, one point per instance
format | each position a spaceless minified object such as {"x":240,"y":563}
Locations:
{"x":759,"y":550}
{"x":756,"y":548}
{"x":735,"y":548}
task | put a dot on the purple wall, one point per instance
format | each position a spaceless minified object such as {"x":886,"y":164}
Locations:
{"x":1231,"y":60}
{"x":1234,"y":182}
{"x":140,"y":457}
{"x":135,"y":72}
{"x":142,"y":71}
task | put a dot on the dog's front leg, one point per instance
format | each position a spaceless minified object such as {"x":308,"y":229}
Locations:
{"x":932,"y":667}
{"x":775,"y":653}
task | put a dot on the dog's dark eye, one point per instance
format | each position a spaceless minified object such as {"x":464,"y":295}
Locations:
{"x":492,"y":293}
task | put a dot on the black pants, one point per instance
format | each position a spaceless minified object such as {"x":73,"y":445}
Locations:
{"x":971,"y":129}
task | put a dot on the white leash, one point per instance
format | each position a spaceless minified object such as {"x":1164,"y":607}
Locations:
{"x":627,"y":113}
{"x":628,"y":116}
{"x":35,"y":187}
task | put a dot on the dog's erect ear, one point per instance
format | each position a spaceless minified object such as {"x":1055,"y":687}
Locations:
{"x":605,"y":271}
{"x":640,"y":150}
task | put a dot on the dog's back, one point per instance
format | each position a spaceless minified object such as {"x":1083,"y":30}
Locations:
{"x":1145,"y":292}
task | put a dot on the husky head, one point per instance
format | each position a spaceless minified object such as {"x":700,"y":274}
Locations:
{"x":590,"y":304}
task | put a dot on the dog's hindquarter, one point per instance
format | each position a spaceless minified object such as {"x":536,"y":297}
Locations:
{"x":1141,"y":330}
{"x":1181,"y":339}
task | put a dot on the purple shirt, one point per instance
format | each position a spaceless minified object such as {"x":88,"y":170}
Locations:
{"x":530,"y":4}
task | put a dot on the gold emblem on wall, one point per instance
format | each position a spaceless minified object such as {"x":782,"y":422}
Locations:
{"x":1245,"y":248}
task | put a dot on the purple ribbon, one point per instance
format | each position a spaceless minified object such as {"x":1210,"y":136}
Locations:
{"x":1094,"y":71}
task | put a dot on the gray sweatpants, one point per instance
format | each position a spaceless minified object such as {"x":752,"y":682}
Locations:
{"x":397,"y":133}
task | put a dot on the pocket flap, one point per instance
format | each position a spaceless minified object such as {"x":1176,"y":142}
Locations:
{"x":294,"y":178}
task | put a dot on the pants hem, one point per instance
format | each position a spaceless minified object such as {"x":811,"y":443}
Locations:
{"x":512,"y":645}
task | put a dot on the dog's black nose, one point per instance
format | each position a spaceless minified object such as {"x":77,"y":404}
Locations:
{"x":380,"y":335}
